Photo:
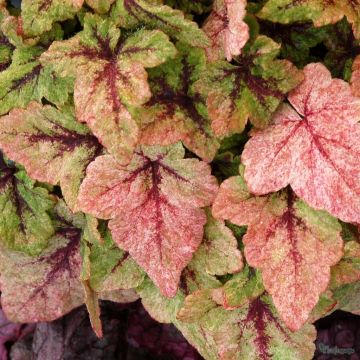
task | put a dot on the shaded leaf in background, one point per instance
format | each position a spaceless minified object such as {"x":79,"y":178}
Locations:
{"x":226,"y":29}
{"x":312,"y":144}
{"x":51,"y":144}
{"x":293,"y":245}
{"x":154,"y":204}
{"x":176,"y":111}
{"x":110,"y":75}
{"x":252,"y":88}
{"x":25,"y":224}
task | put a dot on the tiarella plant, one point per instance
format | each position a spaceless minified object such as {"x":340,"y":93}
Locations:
{"x":201,"y":156}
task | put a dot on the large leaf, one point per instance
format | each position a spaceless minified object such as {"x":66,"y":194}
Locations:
{"x":131,"y":13}
{"x":321,"y":12}
{"x":251,"y":88}
{"x":226,"y":29}
{"x":175,"y":111}
{"x":313,"y":144}
{"x":25,"y":224}
{"x":51,"y":145}
{"x":39,"y":15}
{"x":49,"y":284}
{"x":26,"y":79}
{"x":154,"y":206}
{"x":110,"y":75}
{"x":291,"y":243}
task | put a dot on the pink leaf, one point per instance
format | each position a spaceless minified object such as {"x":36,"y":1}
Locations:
{"x":313,"y":145}
{"x":153,"y":204}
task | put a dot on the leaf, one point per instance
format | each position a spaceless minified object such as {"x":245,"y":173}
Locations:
{"x":100,"y":6}
{"x":26,"y":79}
{"x":25,"y":224}
{"x":110,"y":75}
{"x":252,"y":88}
{"x":347,"y":297}
{"x":154,"y":206}
{"x":39,"y":15}
{"x":355,"y":77}
{"x":175,"y":111}
{"x":312,"y":144}
{"x":292,"y":244}
{"x":6,"y":50}
{"x":321,"y":12}
{"x":250,"y":332}
{"x":226,"y":29}
{"x":112,"y":268}
{"x":131,"y":13}
{"x":49,"y":282}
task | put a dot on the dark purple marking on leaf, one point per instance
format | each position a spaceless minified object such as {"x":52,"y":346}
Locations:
{"x":34,"y":73}
{"x":45,"y":5}
{"x":6,"y":174}
{"x":132,"y":7}
{"x":185,"y":275}
{"x":120,"y":262}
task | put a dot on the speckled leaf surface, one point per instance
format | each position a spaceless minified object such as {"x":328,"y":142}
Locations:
{"x":311,"y":145}
{"x":154,"y":206}
{"x":132,"y":13}
{"x":110,"y":75}
{"x":39,"y":15}
{"x":226,"y":29}
{"x":252,"y":88}
{"x":355,"y":77}
{"x":321,"y":12}
{"x":292,"y":244}
{"x":176,"y":111}
{"x":25,"y":224}
{"x":100,"y":6}
{"x":48,"y":282}
{"x":42,"y":137}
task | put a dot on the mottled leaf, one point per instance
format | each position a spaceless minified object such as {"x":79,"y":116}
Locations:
{"x":51,"y":144}
{"x":251,"y":88}
{"x":39,"y":15}
{"x":26,"y":79}
{"x":25,"y":224}
{"x":355,"y":77}
{"x":313,"y":144}
{"x":131,"y":13}
{"x":292,"y":244}
{"x":49,"y":284}
{"x":226,"y":29}
{"x":175,"y":111}
{"x":100,"y":6}
{"x":6,"y":50}
{"x":348,"y":298}
{"x":321,"y":12}
{"x":154,"y":206}
{"x":110,"y":75}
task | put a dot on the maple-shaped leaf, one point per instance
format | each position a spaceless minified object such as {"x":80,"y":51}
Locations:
{"x":313,"y":145}
{"x":132,"y":13}
{"x":321,"y":12}
{"x":175,"y":111}
{"x":252,"y":331}
{"x":251,"y":88}
{"x":293,"y":244}
{"x":154,"y":206}
{"x":49,"y":284}
{"x":355,"y":77}
{"x":112,"y":268}
{"x":110,"y":75}
{"x":39,"y":15}
{"x":51,"y":144}
{"x":25,"y":224}
{"x":26,"y":79}
{"x":226,"y":29}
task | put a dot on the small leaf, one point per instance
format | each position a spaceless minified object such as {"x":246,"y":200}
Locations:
{"x":110,"y":75}
{"x":175,"y":111}
{"x":49,"y":282}
{"x":251,"y":88}
{"x":313,"y":144}
{"x":25,"y":224}
{"x":51,"y":145}
{"x":292,"y":244}
{"x":39,"y":15}
{"x":154,"y":206}
{"x":131,"y":13}
{"x":226,"y":29}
